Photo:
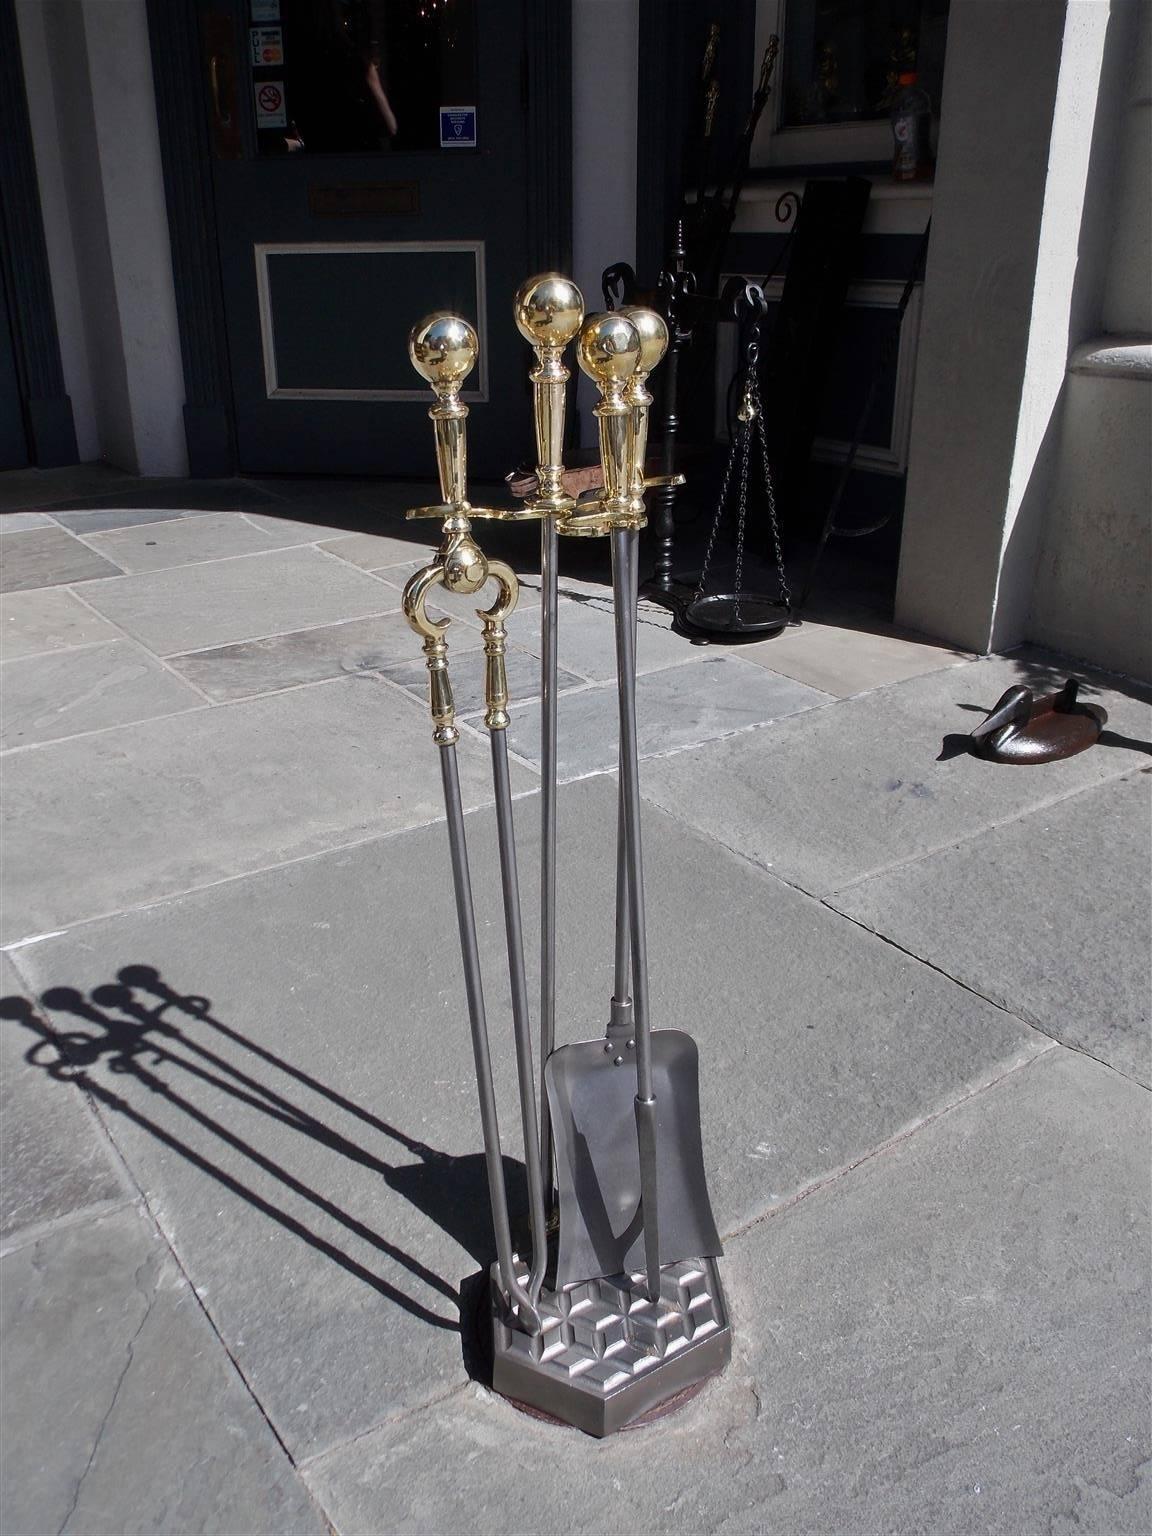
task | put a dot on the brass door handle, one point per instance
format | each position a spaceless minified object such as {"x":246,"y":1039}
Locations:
{"x":223,"y":118}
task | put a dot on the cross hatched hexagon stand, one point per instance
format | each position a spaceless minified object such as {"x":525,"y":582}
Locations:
{"x":607,"y":1355}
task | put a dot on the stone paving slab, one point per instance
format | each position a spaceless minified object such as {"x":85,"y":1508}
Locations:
{"x":523,"y":672}
{"x":374,"y":552}
{"x":309,"y":656}
{"x":49,"y":619}
{"x":48,"y":557}
{"x":300,"y":530}
{"x":121,"y":1413}
{"x":43,"y":487}
{"x":950,"y":1339}
{"x":54,"y":1159}
{"x":397,"y":575}
{"x":134,"y":815}
{"x":223,"y":601}
{"x":103,"y":518}
{"x":828,"y":797}
{"x":330,"y":1217}
{"x":188,"y":540}
{"x":1049,"y":916}
{"x":182,"y":495}
{"x":844,"y":661}
{"x":20,"y":522}
{"x":676,"y":707}
{"x":587,"y":637}
{"x":67,"y":692}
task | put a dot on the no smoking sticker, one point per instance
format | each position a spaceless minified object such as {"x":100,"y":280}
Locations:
{"x":270,"y":111}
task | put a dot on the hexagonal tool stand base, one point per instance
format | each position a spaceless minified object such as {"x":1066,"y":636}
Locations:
{"x":607,"y":1355}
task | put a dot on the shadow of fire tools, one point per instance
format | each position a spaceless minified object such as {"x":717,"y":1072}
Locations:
{"x":133,"y":1031}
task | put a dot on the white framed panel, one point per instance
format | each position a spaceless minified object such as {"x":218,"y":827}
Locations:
{"x":275,"y":390}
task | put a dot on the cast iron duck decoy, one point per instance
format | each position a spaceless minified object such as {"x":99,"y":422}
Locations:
{"x":1023,"y":729}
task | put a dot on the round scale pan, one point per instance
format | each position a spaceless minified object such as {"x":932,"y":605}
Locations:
{"x":759,"y":617}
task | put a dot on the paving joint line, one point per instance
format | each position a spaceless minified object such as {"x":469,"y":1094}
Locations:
{"x":141,"y":1199}
{"x":275,"y":634}
{"x":191,"y":514}
{"x":967,"y":837}
{"x":399,"y":1417}
{"x":41,"y":1231}
{"x":62,"y":650}
{"x":149,"y":1299}
{"x":888,"y":1144}
{"x":14,"y":945}
{"x":822,"y":901}
{"x":1024,"y":1015}
{"x":91,"y":607}
{"x":195,"y":708}
{"x":184,"y":565}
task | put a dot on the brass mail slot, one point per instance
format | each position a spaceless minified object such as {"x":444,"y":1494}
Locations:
{"x":363,"y":199}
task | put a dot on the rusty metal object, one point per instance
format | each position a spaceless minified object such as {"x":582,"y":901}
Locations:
{"x":1024,"y":729}
{"x":523,"y":483}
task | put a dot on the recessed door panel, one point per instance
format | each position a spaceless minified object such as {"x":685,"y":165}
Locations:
{"x":369,"y":168}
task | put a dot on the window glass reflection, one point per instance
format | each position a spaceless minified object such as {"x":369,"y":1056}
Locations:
{"x":843,"y":58}
{"x":365,"y":76}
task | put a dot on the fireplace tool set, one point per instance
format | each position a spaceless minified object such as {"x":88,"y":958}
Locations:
{"x":617,"y":1311}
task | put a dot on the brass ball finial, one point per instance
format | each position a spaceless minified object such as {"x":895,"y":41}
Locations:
{"x":549,"y":310}
{"x":443,"y":349}
{"x":653,"y":335}
{"x":609,"y":347}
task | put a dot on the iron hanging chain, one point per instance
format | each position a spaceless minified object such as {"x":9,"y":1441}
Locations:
{"x":740,"y":448}
{"x":770,"y":495}
{"x":742,"y":510}
{"x":741,"y":433}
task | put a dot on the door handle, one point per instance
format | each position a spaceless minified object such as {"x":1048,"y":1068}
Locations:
{"x":216,"y":63}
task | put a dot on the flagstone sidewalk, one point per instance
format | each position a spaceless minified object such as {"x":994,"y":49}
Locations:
{"x":244,"y":1218}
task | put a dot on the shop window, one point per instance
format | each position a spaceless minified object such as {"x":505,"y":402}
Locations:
{"x":840,"y":63}
{"x":363,"y":76}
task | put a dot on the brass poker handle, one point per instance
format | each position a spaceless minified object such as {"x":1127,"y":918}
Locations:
{"x":549,"y":309}
{"x":443,"y":349}
{"x":433,"y":632}
{"x":620,"y":366}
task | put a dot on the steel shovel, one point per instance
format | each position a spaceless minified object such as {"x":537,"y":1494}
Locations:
{"x":591,"y":1091}
{"x":629,"y":1163}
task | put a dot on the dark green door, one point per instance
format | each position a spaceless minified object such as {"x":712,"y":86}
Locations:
{"x":369,"y":166}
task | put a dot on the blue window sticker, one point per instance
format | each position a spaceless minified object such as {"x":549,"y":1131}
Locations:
{"x":457,"y":127}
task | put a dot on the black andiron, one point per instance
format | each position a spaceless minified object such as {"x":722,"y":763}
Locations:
{"x":625,"y":1312}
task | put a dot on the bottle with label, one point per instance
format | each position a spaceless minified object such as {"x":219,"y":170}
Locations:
{"x":912,"y":132}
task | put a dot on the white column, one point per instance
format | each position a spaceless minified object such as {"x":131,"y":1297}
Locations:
{"x":605,"y":52}
{"x":999,"y":321}
{"x":92,"y":104}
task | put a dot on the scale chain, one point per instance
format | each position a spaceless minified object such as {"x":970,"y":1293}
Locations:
{"x":741,"y":515}
{"x":770,"y":497}
{"x":703,"y":582}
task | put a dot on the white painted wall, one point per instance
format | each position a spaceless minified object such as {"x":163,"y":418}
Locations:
{"x":92,"y":104}
{"x":1093,"y":591}
{"x":1092,"y":594}
{"x":1000,"y":310}
{"x":1128,"y":289}
{"x":40,"y":84}
{"x":605,"y":51}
